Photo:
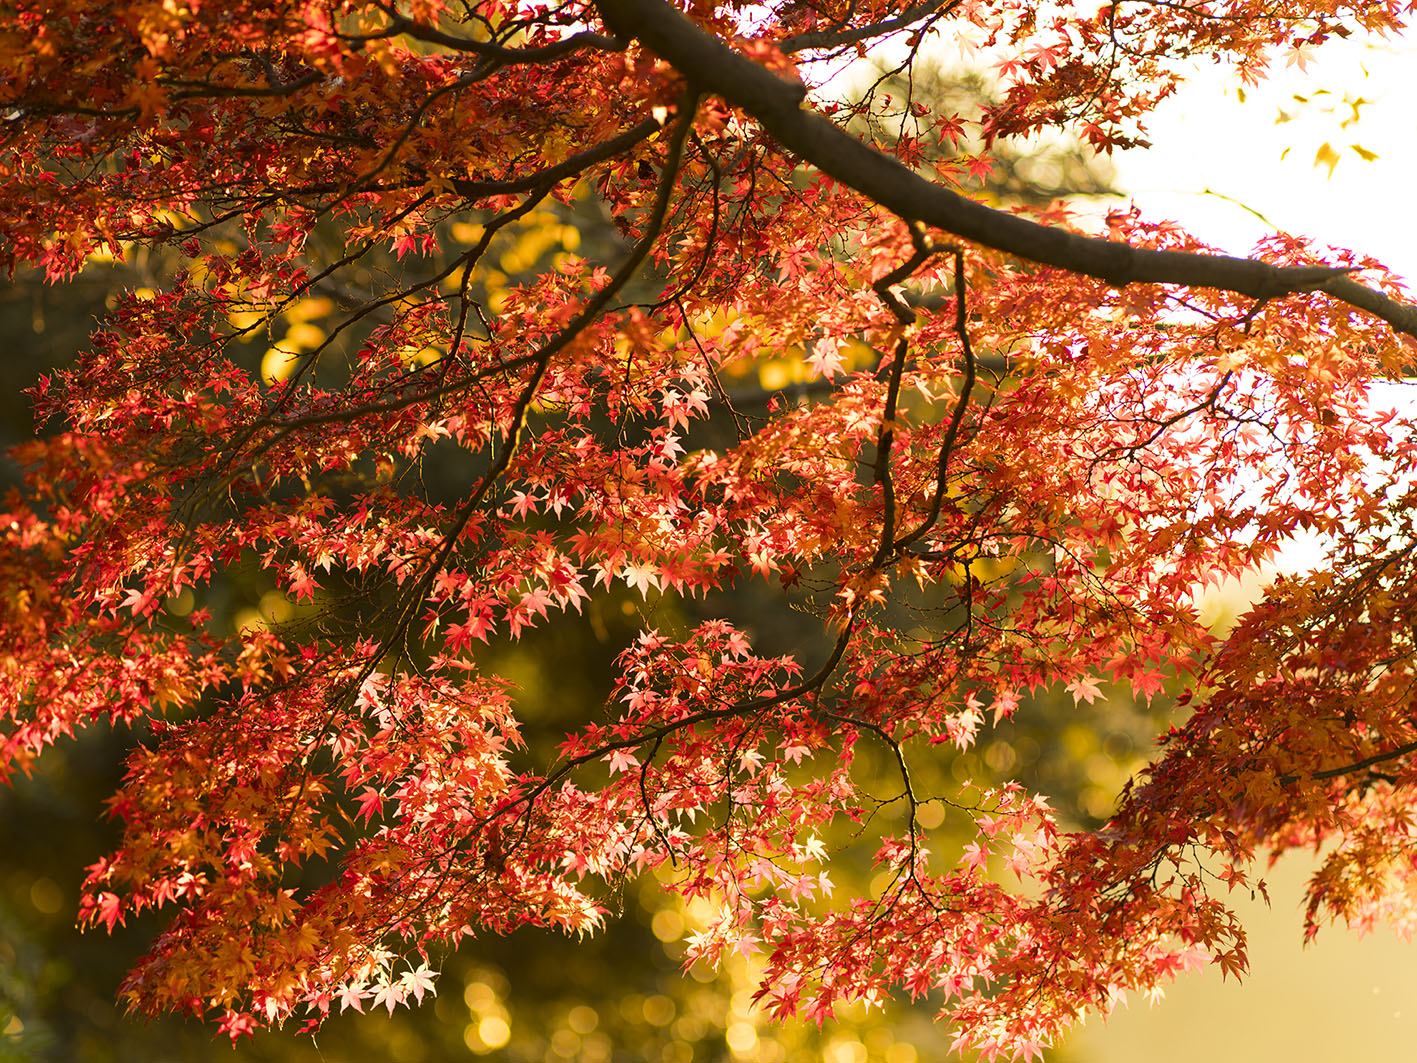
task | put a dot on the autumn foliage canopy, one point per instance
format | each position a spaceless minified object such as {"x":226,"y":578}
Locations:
{"x":1023,"y":443}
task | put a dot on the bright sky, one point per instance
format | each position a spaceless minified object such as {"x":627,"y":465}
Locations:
{"x":1287,"y":151}
{"x":1206,"y":141}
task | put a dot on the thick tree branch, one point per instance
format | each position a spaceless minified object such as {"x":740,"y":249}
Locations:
{"x":777,"y":105}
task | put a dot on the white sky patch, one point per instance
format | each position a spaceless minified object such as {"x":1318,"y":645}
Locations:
{"x":1289,"y":151}
{"x":1262,"y":153}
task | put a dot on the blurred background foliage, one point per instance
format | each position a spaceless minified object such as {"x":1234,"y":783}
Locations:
{"x":621,"y":995}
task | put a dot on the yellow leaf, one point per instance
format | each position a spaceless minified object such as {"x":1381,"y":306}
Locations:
{"x":1326,"y":156}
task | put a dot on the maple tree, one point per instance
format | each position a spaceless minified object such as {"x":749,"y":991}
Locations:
{"x":1031,"y":445}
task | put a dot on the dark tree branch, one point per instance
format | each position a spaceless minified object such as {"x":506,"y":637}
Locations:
{"x":503,"y":56}
{"x":1357,"y":765}
{"x":840,"y":38}
{"x":192,"y":90}
{"x":566,"y":168}
{"x":942,"y":464}
{"x":777,"y":105}
{"x":746,"y":707}
{"x":885,"y":437}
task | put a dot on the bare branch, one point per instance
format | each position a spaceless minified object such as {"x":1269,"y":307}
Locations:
{"x":568,"y":167}
{"x":1357,"y":765}
{"x":840,"y":38}
{"x":402,"y":25}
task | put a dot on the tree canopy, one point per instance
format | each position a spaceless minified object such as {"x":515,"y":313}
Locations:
{"x":457,"y":324}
